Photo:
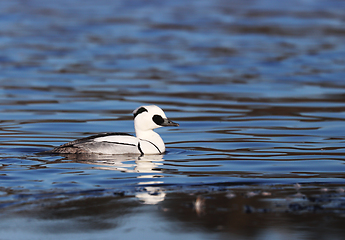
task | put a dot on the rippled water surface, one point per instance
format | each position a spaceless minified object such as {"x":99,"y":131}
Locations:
{"x":257,"y":87}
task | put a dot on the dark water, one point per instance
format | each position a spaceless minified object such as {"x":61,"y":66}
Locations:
{"x":257,"y":87}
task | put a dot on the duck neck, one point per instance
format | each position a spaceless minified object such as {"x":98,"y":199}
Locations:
{"x":153,"y":137}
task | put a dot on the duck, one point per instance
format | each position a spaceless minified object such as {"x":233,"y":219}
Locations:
{"x":146,"y":141}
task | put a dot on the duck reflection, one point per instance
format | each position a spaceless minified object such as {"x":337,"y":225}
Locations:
{"x":148,"y":168}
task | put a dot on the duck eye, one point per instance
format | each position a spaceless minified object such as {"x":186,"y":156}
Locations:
{"x":158,"y":119}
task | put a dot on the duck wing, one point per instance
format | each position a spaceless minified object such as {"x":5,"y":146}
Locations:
{"x":104,"y":143}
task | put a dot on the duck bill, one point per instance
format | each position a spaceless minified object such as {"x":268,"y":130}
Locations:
{"x":168,"y":122}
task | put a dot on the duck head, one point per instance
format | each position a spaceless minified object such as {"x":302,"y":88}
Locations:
{"x":147,"y":118}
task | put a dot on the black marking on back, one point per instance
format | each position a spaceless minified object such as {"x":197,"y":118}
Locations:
{"x":140,"y":110}
{"x":120,"y":143}
{"x":107,"y":134}
{"x":158,"y":119}
{"x":87,"y":139}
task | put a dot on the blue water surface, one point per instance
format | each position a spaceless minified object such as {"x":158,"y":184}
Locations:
{"x":257,"y":88}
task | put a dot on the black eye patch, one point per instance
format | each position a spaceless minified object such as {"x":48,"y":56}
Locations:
{"x":158,"y":119}
{"x":140,"y":110}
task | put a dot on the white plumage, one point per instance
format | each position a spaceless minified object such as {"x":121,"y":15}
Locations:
{"x":146,"y":141}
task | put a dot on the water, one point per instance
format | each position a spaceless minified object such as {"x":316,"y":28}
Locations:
{"x":257,"y":87}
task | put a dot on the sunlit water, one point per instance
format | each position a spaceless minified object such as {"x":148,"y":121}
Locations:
{"x":257,"y":87}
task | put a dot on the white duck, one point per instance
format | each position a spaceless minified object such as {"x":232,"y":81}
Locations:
{"x":146,"y":118}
